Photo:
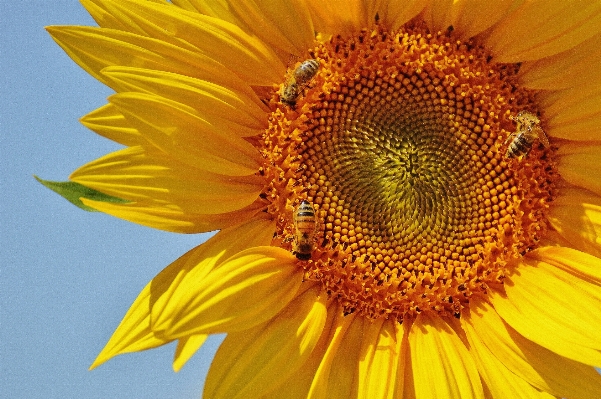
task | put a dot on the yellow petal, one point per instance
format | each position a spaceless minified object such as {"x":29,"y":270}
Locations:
{"x":382,"y":354}
{"x":255,"y":361}
{"x":541,"y":28}
{"x":336,"y":376}
{"x":106,"y":17}
{"x":395,"y":13}
{"x":574,"y":113}
{"x":543,"y":369}
{"x":471,"y":17}
{"x":243,"y":54}
{"x":186,"y":4}
{"x":441,"y":364}
{"x":103,"y":17}
{"x":137,"y":175}
{"x":186,"y":347}
{"x":576,"y":215}
{"x":341,"y":16}
{"x":467,"y":17}
{"x":109,"y":15}
{"x":499,"y":379}
{"x":554,"y":308}
{"x":237,"y":13}
{"x":231,"y":111}
{"x":409,"y":383}
{"x":247,"y":289}
{"x":134,"y":333}
{"x":108,"y":122}
{"x":169,"y":217}
{"x":580,"y":264}
{"x":438,"y":14}
{"x":215,"y":8}
{"x":579,"y":165}
{"x":297,"y":385}
{"x":96,"y":48}
{"x":284,"y":24}
{"x":225,"y":244}
{"x":565,"y":70}
{"x":178,"y":130}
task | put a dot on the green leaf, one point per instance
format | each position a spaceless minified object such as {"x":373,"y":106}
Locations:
{"x":73,"y":192}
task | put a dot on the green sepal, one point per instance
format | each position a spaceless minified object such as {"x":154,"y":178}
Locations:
{"x":73,"y":192}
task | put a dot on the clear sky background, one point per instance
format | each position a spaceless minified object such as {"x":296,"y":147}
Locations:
{"x":67,"y":276}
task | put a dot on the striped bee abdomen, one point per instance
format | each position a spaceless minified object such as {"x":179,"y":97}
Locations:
{"x":305,"y":226}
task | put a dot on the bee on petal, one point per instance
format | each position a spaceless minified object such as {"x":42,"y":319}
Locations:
{"x":527,"y":130}
{"x":296,"y":82}
{"x":305,"y":227}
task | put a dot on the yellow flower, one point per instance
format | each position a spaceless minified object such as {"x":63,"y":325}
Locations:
{"x":447,"y":250}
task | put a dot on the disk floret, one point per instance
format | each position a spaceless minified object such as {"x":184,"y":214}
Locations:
{"x":399,"y":146}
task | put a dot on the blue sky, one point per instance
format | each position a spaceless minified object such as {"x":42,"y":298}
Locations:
{"x":67,"y":276}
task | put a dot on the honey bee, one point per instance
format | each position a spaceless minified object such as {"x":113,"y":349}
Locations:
{"x":297,"y":81}
{"x":290,"y":93}
{"x":305,"y":226}
{"x":527,"y":130}
{"x":306,"y":71}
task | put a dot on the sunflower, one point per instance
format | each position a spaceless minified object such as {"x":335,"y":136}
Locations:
{"x":407,"y":193}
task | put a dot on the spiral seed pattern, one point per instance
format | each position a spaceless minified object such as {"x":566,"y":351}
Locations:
{"x":399,"y":146}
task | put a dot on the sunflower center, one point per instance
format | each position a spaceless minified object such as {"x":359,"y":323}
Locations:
{"x":398,"y":141}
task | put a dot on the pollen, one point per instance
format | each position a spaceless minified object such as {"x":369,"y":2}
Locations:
{"x":399,"y":143}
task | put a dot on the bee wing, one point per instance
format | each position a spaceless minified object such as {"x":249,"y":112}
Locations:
{"x":541,"y":136}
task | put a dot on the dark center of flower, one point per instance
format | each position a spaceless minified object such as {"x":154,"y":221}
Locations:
{"x":399,"y":142}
